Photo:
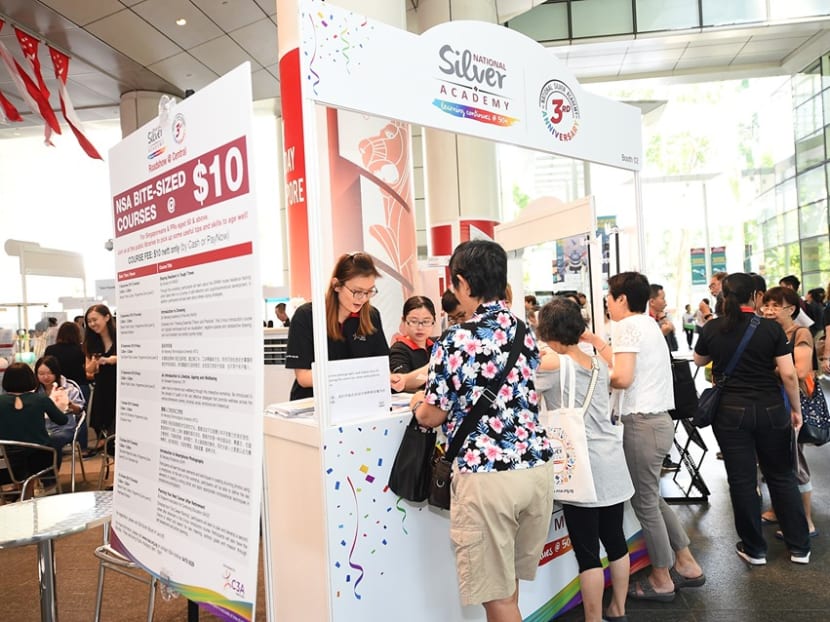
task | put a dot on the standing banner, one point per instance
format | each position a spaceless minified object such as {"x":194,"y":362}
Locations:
{"x":190,"y":377}
{"x":718,"y":259}
{"x":698,"y":263}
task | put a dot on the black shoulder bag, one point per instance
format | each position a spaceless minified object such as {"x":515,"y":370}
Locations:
{"x":707,"y":405}
{"x":439,"y":492}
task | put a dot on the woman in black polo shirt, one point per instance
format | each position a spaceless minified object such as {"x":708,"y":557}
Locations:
{"x":353,"y":325}
{"x":409,"y":354}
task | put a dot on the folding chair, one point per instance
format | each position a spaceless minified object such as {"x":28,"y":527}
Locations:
{"x":9,"y":449}
{"x":77,"y":453}
{"x":107,"y":460}
{"x":110,"y":559}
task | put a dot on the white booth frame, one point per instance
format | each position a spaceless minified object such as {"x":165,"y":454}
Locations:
{"x":353,"y":63}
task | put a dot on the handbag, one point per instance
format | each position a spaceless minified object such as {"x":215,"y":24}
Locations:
{"x":573,"y":480}
{"x":815,"y":427}
{"x":707,"y":405}
{"x":411,"y":471}
{"x":439,"y":491}
{"x":685,"y":392}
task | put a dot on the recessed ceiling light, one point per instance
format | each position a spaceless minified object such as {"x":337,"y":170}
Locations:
{"x":181,"y":22}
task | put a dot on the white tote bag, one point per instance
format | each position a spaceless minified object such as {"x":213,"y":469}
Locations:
{"x":572,"y":479}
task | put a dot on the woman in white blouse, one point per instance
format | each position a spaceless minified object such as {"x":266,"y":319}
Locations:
{"x":642,"y":395}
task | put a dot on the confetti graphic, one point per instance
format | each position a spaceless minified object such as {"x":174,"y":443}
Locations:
{"x":335,"y":37}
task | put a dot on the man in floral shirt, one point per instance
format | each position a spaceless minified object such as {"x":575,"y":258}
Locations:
{"x":498,"y":523}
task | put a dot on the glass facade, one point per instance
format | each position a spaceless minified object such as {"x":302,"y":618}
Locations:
{"x":788,"y":226}
{"x":564,"y":20}
{"x":811,"y":88}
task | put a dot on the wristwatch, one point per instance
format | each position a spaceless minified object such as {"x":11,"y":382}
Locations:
{"x":415,"y":407}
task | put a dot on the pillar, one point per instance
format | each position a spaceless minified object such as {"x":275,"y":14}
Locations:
{"x":462,"y":192}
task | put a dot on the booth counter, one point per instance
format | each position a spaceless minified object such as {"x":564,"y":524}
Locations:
{"x":345,"y":547}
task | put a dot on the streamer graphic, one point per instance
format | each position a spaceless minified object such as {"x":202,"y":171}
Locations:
{"x":402,"y":511}
{"x":314,"y":56}
{"x":353,"y":565}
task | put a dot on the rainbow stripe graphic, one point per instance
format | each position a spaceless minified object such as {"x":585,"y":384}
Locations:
{"x":220,"y":606}
{"x":471,"y":112}
{"x":156,"y":153}
{"x":570,"y":596}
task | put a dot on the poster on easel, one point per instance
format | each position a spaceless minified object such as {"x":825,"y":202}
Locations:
{"x":188,"y":479}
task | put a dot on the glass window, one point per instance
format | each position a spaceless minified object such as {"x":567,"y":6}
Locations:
{"x":806,"y":84}
{"x":720,"y":13}
{"x":790,"y":233}
{"x":785,"y":169}
{"x":811,"y":186}
{"x":812,"y":218}
{"x":666,"y":14}
{"x":809,"y":117}
{"x":815,"y":254}
{"x":783,"y":9}
{"x":809,"y":152}
{"x":594,"y":18}
{"x":774,"y":263}
{"x":792,"y":254}
{"x":772,"y":231}
{"x":546,"y":22}
{"x":785,"y":197}
{"x":825,"y":71}
{"x":764,"y":206}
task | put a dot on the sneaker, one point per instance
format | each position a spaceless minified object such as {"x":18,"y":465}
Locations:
{"x":800,"y":558}
{"x":755,"y":561}
{"x":668,"y":465}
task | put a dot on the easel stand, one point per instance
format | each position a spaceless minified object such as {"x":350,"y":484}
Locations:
{"x":692,"y":445}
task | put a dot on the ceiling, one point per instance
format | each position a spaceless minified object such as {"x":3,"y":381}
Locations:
{"x":117,"y":46}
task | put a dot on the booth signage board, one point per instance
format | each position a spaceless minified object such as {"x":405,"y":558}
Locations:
{"x":190,"y":376}
{"x":465,"y":77}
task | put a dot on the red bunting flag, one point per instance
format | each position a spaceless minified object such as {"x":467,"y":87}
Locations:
{"x":60,"y":62}
{"x":30,"y":92}
{"x":7,"y":111}
{"x":29,"y":46}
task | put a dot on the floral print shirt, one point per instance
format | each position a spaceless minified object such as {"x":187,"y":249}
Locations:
{"x":464,"y":361}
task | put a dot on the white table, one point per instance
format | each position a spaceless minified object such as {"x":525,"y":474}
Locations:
{"x":40,"y":521}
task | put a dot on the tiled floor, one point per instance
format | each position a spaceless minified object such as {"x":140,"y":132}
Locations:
{"x":778,"y":592}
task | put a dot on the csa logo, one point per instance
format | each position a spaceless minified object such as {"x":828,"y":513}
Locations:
{"x":560,"y":110}
{"x":178,"y":128}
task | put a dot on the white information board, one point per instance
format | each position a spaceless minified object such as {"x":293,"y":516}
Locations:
{"x":190,"y":378}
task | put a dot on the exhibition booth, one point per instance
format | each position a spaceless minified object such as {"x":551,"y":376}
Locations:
{"x":339,"y":544}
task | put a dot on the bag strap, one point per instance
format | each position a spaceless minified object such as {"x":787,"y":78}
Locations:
{"x":594,"y":378}
{"x":488,"y":396}
{"x":567,"y":367}
{"x":736,"y":356}
{"x":567,"y":374}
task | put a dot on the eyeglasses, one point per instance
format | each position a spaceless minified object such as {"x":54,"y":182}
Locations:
{"x":420,"y":323}
{"x":361,"y":294}
{"x":775,"y":308}
{"x":457,"y":318}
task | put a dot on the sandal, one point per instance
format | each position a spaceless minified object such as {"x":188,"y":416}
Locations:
{"x":681,"y":581}
{"x":644,"y":590}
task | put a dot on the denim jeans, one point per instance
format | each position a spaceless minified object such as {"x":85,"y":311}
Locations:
{"x":751,"y":433}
